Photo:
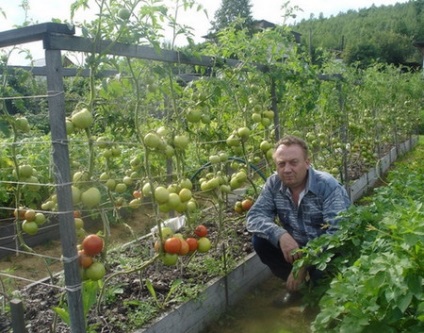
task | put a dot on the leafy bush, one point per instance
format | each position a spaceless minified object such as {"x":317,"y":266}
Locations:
{"x":378,"y":271}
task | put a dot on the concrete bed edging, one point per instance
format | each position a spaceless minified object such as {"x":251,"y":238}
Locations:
{"x":195,"y":315}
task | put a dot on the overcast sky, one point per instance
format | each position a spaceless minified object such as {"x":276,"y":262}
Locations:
{"x":44,"y":10}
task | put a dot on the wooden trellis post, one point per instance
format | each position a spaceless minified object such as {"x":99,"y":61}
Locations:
{"x":62,"y":172}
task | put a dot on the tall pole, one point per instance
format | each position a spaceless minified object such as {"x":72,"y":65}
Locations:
{"x":61,"y":170}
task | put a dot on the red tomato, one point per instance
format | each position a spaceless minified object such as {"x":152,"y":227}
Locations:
{"x":172,"y":245}
{"x":92,"y":245}
{"x":84,"y":260}
{"x":201,"y":230}
{"x":185,"y":248}
{"x":246,"y":204}
{"x":137,"y":194}
{"x":192,"y":244}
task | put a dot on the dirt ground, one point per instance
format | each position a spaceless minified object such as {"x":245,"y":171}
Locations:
{"x":28,"y":268}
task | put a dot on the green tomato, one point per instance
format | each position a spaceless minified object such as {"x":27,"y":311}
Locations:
{"x":82,"y":119}
{"x":22,"y":124}
{"x":31,"y":228}
{"x":170,"y":259}
{"x":95,"y":271}
{"x":26,"y":171}
{"x":76,"y":195}
{"x":181,"y":141}
{"x":91,"y":198}
{"x":185,"y":194}
{"x":243,"y":133}
{"x":40,"y":218}
{"x":152,"y":140}
{"x":124,"y":14}
{"x":161,"y":195}
{"x":120,"y":188}
{"x":203,"y":244}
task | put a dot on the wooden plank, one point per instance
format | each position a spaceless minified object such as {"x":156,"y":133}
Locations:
{"x":79,"y":44}
{"x":33,"y":33}
{"x":69,"y":72}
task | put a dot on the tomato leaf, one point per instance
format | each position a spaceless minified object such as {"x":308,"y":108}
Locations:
{"x":63,"y":314}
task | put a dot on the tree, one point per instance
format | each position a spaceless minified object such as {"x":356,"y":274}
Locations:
{"x":230,"y":11}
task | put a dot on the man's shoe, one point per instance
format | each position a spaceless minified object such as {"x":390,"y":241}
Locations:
{"x":287,"y":299}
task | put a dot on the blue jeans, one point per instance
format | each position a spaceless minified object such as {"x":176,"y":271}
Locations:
{"x":274,"y":259}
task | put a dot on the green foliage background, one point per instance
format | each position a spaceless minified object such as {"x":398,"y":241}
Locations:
{"x":385,"y":34}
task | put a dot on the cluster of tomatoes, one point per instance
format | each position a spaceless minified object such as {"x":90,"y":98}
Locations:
{"x":243,"y":206}
{"x":31,"y":219}
{"x":174,"y":245}
{"x":89,"y":249}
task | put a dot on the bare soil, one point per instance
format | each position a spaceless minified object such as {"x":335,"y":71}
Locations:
{"x":46,"y":257}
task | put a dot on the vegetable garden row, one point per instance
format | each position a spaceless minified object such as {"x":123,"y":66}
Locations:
{"x":144,"y":128}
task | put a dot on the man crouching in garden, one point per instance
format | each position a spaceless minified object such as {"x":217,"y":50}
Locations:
{"x":306,"y":202}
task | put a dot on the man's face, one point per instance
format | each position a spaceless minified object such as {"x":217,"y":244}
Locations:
{"x":292,"y":166}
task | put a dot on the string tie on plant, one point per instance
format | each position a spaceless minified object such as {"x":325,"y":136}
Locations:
{"x":73,"y":288}
{"x":67,"y":260}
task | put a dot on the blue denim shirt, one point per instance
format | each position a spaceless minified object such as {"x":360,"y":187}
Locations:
{"x":323,"y":199}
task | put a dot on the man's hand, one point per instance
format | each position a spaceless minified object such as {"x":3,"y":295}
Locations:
{"x":293,"y":283}
{"x":288,"y":246}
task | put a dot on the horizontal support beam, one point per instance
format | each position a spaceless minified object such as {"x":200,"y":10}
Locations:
{"x":33,"y":33}
{"x":79,"y":44}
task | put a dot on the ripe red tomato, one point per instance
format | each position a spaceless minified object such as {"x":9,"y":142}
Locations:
{"x":201,"y":230}
{"x":137,"y":194}
{"x":185,"y":248}
{"x":92,"y":245}
{"x":246,"y":204}
{"x":192,"y":244}
{"x":84,"y":260}
{"x":172,"y":245}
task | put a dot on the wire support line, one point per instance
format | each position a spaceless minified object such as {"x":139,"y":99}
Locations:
{"x":49,"y":94}
{"x":31,"y":253}
{"x":32,"y":281}
{"x":35,"y":184}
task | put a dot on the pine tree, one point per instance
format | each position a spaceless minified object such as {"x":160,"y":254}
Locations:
{"x":230,"y":11}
